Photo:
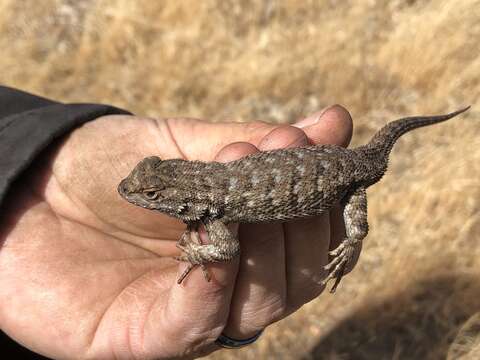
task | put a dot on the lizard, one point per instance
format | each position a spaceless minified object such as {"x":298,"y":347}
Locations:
{"x":275,"y":185}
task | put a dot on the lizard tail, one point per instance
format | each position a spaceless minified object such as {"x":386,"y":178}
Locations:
{"x":386,"y":137}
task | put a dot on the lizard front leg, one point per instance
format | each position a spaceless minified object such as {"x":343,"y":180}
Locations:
{"x":223,"y":246}
{"x":356,"y":227}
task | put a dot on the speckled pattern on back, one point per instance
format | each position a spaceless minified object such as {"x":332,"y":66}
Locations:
{"x":277,"y":185}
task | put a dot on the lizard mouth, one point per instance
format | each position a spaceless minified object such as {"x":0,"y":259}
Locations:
{"x":138,"y":200}
{"x":122,"y":188}
{"x":132,"y":197}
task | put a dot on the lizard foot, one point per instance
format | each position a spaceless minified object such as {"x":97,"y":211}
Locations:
{"x":222,"y":247}
{"x":189,"y":237}
{"x":343,"y":254}
{"x":190,"y":267}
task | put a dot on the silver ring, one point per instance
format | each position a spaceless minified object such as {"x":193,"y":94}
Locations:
{"x":229,"y":343}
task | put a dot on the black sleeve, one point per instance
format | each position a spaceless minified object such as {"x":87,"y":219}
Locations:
{"x":28,"y":124}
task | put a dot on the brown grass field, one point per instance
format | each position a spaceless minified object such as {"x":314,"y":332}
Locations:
{"x":415,"y":293}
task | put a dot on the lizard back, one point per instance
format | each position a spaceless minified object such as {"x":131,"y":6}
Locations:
{"x":287,"y":184}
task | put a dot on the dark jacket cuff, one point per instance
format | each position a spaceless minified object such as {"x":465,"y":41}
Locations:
{"x":28,"y":124}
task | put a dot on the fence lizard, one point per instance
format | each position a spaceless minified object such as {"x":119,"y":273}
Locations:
{"x":272,"y":185}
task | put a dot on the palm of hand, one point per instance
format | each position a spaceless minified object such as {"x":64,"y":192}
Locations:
{"x":84,"y":274}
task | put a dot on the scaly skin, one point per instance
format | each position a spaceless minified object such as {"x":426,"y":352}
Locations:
{"x":273,"y":185}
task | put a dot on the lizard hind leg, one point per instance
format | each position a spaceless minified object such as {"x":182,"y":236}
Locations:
{"x":356,"y":226}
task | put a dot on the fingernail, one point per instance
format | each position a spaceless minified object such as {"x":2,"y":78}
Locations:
{"x":312,"y":119}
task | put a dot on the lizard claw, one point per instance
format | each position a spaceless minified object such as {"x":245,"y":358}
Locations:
{"x":185,"y":273}
{"x":343,"y":254}
{"x":190,"y":267}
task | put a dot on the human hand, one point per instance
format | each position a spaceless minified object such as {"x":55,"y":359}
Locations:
{"x":84,"y":274}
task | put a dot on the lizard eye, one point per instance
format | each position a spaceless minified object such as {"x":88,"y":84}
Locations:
{"x":152,"y":195}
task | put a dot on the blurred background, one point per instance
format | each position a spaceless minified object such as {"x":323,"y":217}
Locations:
{"x":415,"y":293}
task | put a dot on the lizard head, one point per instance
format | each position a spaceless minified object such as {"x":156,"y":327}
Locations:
{"x":142,"y":186}
{"x":146,"y":187}
{"x":164,"y":186}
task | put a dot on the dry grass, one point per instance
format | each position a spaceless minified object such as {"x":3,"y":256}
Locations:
{"x":418,"y":280}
